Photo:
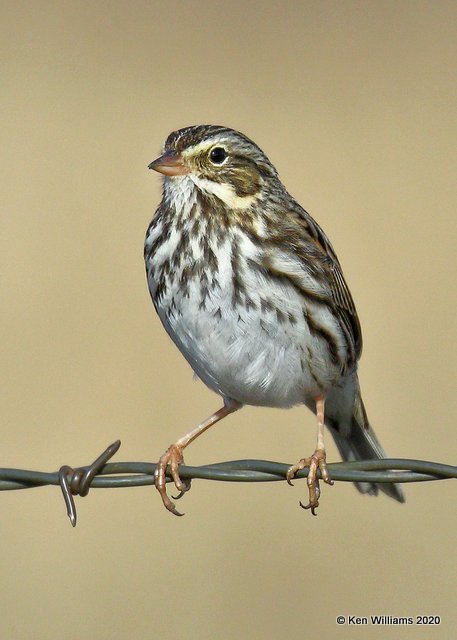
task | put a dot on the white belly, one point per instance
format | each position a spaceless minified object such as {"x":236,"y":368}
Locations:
{"x":250,"y":352}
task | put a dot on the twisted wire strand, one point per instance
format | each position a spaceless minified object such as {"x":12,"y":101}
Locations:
{"x":102,"y":474}
{"x":141,"y":473}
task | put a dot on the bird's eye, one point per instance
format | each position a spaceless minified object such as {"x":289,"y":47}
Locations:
{"x":218,"y":155}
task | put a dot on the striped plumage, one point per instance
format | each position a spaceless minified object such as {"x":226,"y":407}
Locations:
{"x":250,"y":289}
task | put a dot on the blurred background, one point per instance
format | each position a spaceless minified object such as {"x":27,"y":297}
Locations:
{"x":355,"y":104}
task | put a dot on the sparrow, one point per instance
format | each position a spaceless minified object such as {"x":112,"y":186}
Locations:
{"x":250,"y":289}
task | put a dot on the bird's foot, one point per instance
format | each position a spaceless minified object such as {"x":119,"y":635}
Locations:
{"x":316,"y":462}
{"x":170,"y":460}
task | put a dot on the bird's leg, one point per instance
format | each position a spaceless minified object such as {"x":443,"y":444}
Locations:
{"x":316,"y":462}
{"x":173,"y":457}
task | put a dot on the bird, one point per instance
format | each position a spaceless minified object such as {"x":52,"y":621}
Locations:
{"x":249,"y":288}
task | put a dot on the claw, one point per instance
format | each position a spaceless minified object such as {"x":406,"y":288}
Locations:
{"x":308,"y":506}
{"x":171,"y":458}
{"x":185,"y":486}
{"x":314,"y":463}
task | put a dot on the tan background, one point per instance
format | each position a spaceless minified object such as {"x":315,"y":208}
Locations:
{"x":355,"y":103}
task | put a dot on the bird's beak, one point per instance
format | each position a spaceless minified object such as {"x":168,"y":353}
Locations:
{"x":170,"y":164}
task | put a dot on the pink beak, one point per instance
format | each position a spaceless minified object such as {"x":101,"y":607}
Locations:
{"x":170,"y":164}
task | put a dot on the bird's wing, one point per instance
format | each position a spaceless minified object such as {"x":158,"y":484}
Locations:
{"x":329,"y":269}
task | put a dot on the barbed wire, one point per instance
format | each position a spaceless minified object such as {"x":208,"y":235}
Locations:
{"x":78,"y":481}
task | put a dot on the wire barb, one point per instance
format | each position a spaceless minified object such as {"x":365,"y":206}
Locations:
{"x":78,"y":481}
{"x":74,"y":482}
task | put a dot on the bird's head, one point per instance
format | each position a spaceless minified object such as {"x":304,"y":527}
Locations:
{"x":219,"y":161}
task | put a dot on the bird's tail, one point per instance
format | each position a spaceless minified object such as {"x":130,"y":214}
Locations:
{"x":359,"y":442}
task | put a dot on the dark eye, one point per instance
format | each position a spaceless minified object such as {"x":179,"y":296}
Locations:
{"x":217,"y":155}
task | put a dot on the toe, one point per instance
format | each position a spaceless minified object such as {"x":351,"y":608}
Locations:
{"x":295,"y":468}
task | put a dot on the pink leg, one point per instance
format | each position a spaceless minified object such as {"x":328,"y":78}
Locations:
{"x":316,"y":462}
{"x":173,"y":457}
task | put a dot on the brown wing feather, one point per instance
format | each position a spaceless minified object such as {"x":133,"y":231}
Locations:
{"x":339,"y":291}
